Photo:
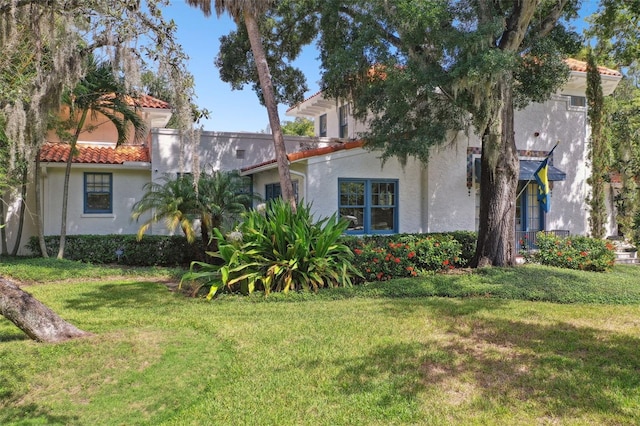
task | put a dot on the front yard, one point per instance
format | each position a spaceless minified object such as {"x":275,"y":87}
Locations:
{"x":528,"y":345}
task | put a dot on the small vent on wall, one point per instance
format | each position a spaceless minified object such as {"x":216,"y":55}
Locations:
{"x":240,"y":154}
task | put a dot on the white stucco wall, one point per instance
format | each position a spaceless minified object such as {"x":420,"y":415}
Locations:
{"x":537,"y":128}
{"x":451,"y":207}
{"x":218,"y":150}
{"x":355,"y":127}
{"x":127,"y":189}
{"x":557,"y":121}
{"x":298,"y":173}
{"x":321,"y":176}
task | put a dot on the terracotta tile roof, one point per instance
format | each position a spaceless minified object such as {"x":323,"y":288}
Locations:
{"x":300,"y":155}
{"x":59,"y":153}
{"x":147,"y":101}
{"x":581,"y":66}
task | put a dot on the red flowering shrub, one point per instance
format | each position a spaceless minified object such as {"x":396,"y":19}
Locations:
{"x":573,"y":252}
{"x":404,"y":258}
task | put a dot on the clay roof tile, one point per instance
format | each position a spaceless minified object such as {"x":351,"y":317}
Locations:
{"x":59,"y":153}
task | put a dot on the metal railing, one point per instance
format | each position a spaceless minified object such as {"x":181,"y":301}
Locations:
{"x":527,"y":240}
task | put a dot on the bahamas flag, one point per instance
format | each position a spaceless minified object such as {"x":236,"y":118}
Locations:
{"x":541,"y":175}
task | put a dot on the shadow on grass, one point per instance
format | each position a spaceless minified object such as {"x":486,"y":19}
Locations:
{"x":33,"y":414}
{"x":11,"y":336}
{"x":13,"y":387}
{"x":560,"y":369}
{"x":124,"y":295}
{"x":530,"y":282}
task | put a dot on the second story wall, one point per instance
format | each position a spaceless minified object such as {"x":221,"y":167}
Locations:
{"x":172,"y":153}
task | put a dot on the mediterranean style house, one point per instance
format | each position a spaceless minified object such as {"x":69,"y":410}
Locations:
{"x":443,"y":195}
{"x":107,"y":180}
{"x":332,"y":171}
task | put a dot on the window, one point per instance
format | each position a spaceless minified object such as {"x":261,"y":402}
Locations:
{"x":343,"y":118}
{"x":578,"y":101}
{"x":98,"y":193}
{"x":240,"y":154}
{"x":274,"y":190}
{"x":529,"y":213}
{"x":371,"y":205}
{"x":246,"y":188}
{"x":322,"y":131}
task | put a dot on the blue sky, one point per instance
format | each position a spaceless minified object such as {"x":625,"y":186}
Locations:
{"x":231,"y":110}
{"x":239,"y":110}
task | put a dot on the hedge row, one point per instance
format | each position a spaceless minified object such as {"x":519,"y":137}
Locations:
{"x":152,"y":250}
{"x":157,"y":250}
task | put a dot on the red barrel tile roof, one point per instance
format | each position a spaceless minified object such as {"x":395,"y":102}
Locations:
{"x":147,"y":101}
{"x":300,"y":155}
{"x":59,"y":153}
{"x":581,"y":66}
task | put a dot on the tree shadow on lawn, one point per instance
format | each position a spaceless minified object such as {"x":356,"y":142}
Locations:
{"x":33,"y":414}
{"x":529,"y":282}
{"x":562,"y":369}
{"x":126,"y":295}
{"x":12,"y":389}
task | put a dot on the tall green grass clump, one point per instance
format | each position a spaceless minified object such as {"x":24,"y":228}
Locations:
{"x":277,"y":249}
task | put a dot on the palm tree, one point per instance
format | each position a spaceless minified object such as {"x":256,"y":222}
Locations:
{"x":173,"y":201}
{"x":248,"y":11}
{"x":221,"y":199}
{"x":218,"y":198}
{"x":99,"y":92}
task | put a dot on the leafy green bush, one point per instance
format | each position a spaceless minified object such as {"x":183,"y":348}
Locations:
{"x":574,"y":252}
{"x":409,"y":255}
{"x":276,"y":249}
{"x":468,"y":241}
{"x":152,"y":250}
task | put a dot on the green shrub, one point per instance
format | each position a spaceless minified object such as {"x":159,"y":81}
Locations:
{"x":574,"y":252}
{"x":152,"y":250}
{"x":468,"y":241}
{"x":279,"y":250}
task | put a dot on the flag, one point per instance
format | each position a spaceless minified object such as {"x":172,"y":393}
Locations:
{"x":541,"y":175}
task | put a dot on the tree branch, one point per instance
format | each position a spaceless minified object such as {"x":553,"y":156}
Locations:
{"x":517,"y":23}
{"x":549,"y":22}
{"x":388,"y":36}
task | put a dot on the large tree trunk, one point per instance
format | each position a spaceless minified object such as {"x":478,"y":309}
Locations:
{"x":34,"y":318}
{"x":498,"y":186}
{"x":39,"y":213}
{"x":3,"y":230}
{"x":65,"y":202}
{"x":23,"y":206}
{"x":272,"y":107}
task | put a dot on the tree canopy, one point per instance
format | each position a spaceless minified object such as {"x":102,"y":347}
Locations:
{"x":44,"y":48}
{"x":615,"y":36}
{"x":418,"y":72}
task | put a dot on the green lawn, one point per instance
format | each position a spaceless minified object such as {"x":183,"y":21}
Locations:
{"x":528,"y":345}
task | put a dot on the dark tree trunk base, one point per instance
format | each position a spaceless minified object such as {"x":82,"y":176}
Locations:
{"x":30,"y":315}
